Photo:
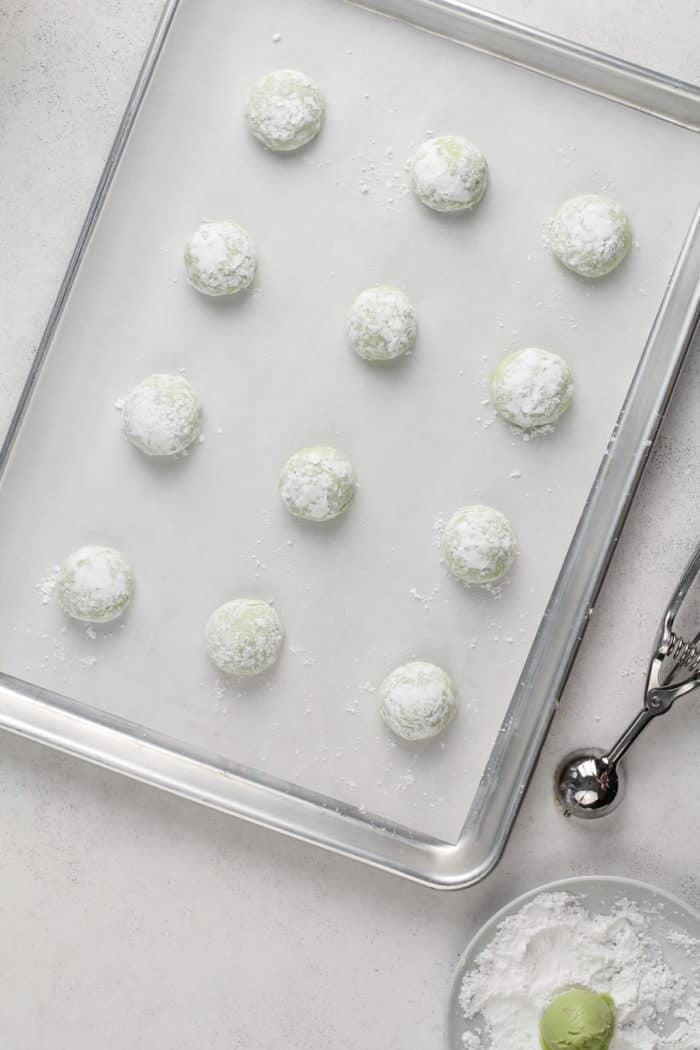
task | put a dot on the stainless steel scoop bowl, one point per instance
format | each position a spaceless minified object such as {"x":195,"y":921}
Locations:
{"x":587,"y":782}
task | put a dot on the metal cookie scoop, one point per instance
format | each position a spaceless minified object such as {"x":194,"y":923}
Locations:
{"x":587,"y":782}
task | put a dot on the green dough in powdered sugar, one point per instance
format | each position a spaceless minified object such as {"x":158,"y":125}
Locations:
{"x":317,"y":484}
{"x":244,"y":637}
{"x":417,"y":700}
{"x":590,"y":235}
{"x":162,"y":416}
{"x":382,"y":324}
{"x":578,"y":1019}
{"x":449,"y":173}
{"x":95,"y":584}
{"x":532,"y":388}
{"x":478,"y":545}
{"x":285,"y":110}
{"x":220,"y":258}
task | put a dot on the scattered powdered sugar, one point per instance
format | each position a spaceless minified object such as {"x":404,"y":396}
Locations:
{"x":439,"y":532}
{"x":308,"y":657}
{"x":378,"y":175}
{"x":554,"y":942}
{"x":47,"y":584}
{"x":426,"y":600}
{"x":684,"y":941}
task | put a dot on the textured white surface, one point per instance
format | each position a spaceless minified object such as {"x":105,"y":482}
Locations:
{"x":132,"y":919}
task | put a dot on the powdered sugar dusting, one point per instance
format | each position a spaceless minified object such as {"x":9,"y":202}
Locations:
{"x":382,"y":324}
{"x":244,"y":637}
{"x":590,"y":235}
{"x":220,"y":258}
{"x":449,"y":173}
{"x":479,"y":544}
{"x":162,"y":416}
{"x":532,"y":388}
{"x":285,"y":110}
{"x":554,"y":942}
{"x":317,"y":484}
{"x":47,"y":584}
{"x":417,"y":700}
{"x":439,"y":532}
{"x":95,"y":584}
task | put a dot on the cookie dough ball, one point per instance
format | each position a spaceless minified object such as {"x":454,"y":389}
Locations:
{"x":417,"y":700}
{"x":220,"y":258}
{"x":317,"y":484}
{"x":578,"y":1019}
{"x":162,"y":416}
{"x":479,"y":544}
{"x":382,"y":324}
{"x":532,"y":388}
{"x":243,"y":637}
{"x":285,"y":110}
{"x":449,"y":173}
{"x":590,"y":235}
{"x":95,"y":584}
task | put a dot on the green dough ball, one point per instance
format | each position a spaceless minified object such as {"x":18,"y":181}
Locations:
{"x":243,"y":637}
{"x":590,"y":235}
{"x":479,"y":544}
{"x":578,"y":1019}
{"x":449,"y":173}
{"x":162,"y":416}
{"x":220,"y":258}
{"x":95,"y":584}
{"x":317,"y":484}
{"x":417,"y":700}
{"x":285,"y":110}
{"x":382,"y":324}
{"x":532,"y":388}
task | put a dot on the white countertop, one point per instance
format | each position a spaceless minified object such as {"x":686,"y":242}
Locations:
{"x":134,"y":919}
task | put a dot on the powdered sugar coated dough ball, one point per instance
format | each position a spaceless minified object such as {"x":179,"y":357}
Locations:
{"x":243,"y":637}
{"x":162,"y":416}
{"x":285,"y":110}
{"x":317,"y":484}
{"x":417,"y":700}
{"x":95,"y":584}
{"x":220,"y":258}
{"x":532,"y":388}
{"x":449,"y":173}
{"x":382,"y":324}
{"x":590,"y":235}
{"x":478,"y":544}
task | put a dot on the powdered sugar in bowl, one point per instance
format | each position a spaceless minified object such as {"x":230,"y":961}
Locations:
{"x":615,"y":935}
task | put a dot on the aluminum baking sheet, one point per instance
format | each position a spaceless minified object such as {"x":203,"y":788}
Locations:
{"x":275,"y":373}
